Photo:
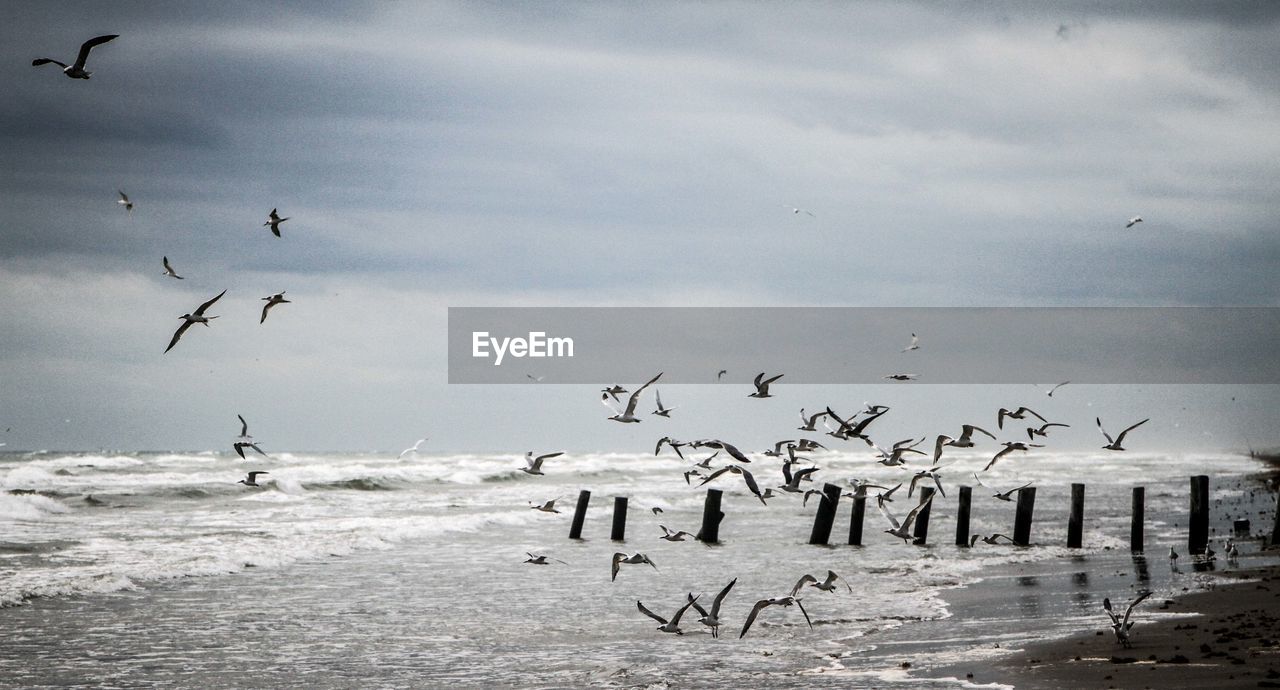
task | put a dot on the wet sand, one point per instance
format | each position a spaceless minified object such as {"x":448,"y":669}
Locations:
{"x":1228,"y":637}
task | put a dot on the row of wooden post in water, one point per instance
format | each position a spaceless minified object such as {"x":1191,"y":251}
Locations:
{"x":824,"y":519}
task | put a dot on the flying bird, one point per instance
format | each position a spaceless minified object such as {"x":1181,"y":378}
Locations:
{"x":197,"y":317}
{"x":1009,"y":447}
{"x":903,"y":530}
{"x":661,"y":411}
{"x":747,"y":477}
{"x":827,"y":585}
{"x":272,"y":301}
{"x":244,"y":429}
{"x":711,"y":618}
{"x":535,"y":379}
{"x":1019,"y":413}
{"x":252,"y":479}
{"x":613,"y":391}
{"x":807,"y":423}
{"x":797,"y":211}
{"x":915,"y":344}
{"x":634,"y":559}
{"x":1121,"y":626}
{"x":168,"y":270}
{"x":241,"y":445}
{"x":720,"y":374}
{"x":124,"y":201}
{"x":540,"y":559}
{"x":901,"y":377}
{"x":414,"y":449}
{"x":673,"y":536}
{"x":1000,"y":495}
{"x":966,"y":436}
{"x":534,"y":465}
{"x":765,"y":603}
{"x":667,"y":626}
{"x":762,"y":385}
{"x":548,"y":507}
{"x":629,"y":415}
{"x":1060,"y":385}
{"x":675,"y":445}
{"x":1043,"y":431}
{"x":77,"y":70}
{"x":1133,"y":221}
{"x":1116,"y":444}
{"x":273,"y":221}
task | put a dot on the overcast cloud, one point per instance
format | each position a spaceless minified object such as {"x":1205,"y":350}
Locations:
{"x":538,"y":154}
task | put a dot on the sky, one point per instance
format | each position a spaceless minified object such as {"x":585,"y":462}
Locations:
{"x":435,"y":155}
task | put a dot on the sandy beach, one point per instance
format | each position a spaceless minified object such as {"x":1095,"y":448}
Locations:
{"x":1229,"y":637}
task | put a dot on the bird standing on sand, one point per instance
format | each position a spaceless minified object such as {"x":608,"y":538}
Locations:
{"x":273,"y":221}
{"x":1173,"y":558}
{"x":197,"y":317}
{"x":76,"y":70}
{"x":272,"y":301}
{"x":1121,"y":626}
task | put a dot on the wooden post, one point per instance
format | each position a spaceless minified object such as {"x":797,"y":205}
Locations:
{"x":1240,"y":529}
{"x":579,"y":514}
{"x":1275,"y":529}
{"x":855,"y":522}
{"x":711,"y":517}
{"x":826,"y":515}
{"x":1075,"y":524}
{"x":1022,"y":521}
{"x":962,"y":516}
{"x":1198,"y":532}
{"x":619,"y":518}
{"x":1135,"y":526}
{"x":920,"y":530}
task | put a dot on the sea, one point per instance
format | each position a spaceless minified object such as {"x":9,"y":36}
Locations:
{"x":368,"y":570}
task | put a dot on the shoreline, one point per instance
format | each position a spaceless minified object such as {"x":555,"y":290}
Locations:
{"x":1227,"y":636}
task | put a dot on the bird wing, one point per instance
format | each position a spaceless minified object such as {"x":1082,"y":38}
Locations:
{"x":265,"y":307}
{"x":244,"y":426}
{"x":806,"y":614}
{"x":968,"y":430}
{"x":658,"y":448}
{"x":548,"y":456}
{"x":857,"y":430}
{"x":254,"y":475}
{"x":696,"y":606}
{"x":751,"y":482}
{"x":888,"y":516}
{"x":804,"y":580}
{"x":771,"y":380}
{"x":1001,"y":454}
{"x":1060,"y":385}
{"x":1104,"y":431}
{"x":1120,"y":438}
{"x":1106,"y":605}
{"x":832,"y":577}
{"x":124,"y":198}
{"x":657,"y":394}
{"x":617,"y":559}
{"x":167,"y":267}
{"x":239,"y":449}
{"x":635,"y":397}
{"x":88,"y":46}
{"x":675,"y":620}
{"x":975,"y":476}
{"x":757,"y":380}
{"x":44,"y":61}
{"x":1129,"y":611}
{"x":649,"y":613}
{"x":1000,"y":418}
{"x":911,"y":517}
{"x":178,"y":334}
{"x":255,"y":447}
{"x":751,"y":617}
{"x":733,"y":451}
{"x":716,"y":474}
{"x":715,"y":605}
{"x":206,"y":305}
{"x":1032,"y":412}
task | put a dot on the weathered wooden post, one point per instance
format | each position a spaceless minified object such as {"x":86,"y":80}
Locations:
{"x":1136,"y":523}
{"x":1198,"y":532}
{"x":855,"y":522}
{"x":1075,"y":524}
{"x":962,"y":516}
{"x":826,"y":515}
{"x":1022,"y":520}
{"x":618,"y":533}
{"x":579,"y":514}
{"x":920,"y":530}
{"x":711,"y":517}
{"x":1240,"y":529}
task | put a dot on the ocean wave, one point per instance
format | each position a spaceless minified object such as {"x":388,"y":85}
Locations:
{"x":29,"y":506}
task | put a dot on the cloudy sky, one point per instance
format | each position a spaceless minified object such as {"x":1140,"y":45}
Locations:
{"x":640,"y":154}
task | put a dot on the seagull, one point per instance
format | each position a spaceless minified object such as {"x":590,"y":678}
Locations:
{"x":124,"y":201}
{"x":244,"y":429}
{"x":168,"y":270}
{"x":675,"y":445}
{"x":797,"y":211}
{"x":671,"y":626}
{"x":413,"y":450}
{"x":272,"y":301}
{"x":673,"y":536}
{"x":661,"y":411}
{"x":1009,"y":447}
{"x":915,"y":344}
{"x":535,"y":379}
{"x":540,"y":559}
{"x":614,"y":391}
{"x":793,"y":479}
{"x":886,"y":496}
{"x":1133,"y":221}
{"x":762,"y":386}
{"x":197,"y":317}
{"x":1115,"y":444}
{"x":903,"y":530}
{"x":746,"y":477}
{"x":860,"y":487}
{"x":241,"y":445}
{"x":534,"y":465}
{"x":789,"y":443}
{"x":1033,"y":432}
{"x":1020,"y":413}
{"x":994,"y":539}
{"x":1121,"y":626}
{"x":273,"y":221}
{"x":657,"y":510}
{"x":902,"y":377}
{"x":1173,"y":558}
{"x":893,"y":458}
{"x":764,"y":603}
{"x":711,"y":619}
{"x":1060,"y":385}
{"x":548,"y":507}
{"x":827,"y":585}
{"x":1001,"y":495}
{"x":721,"y":445}
{"x":931,"y":473}
{"x":252,"y":480}
{"x":634,"y":559}
{"x":807,"y":423}
{"x":966,"y":436}
{"x":847,"y":430}
{"x":720,"y":374}
{"x":629,"y":416}
{"x":76,"y":70}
